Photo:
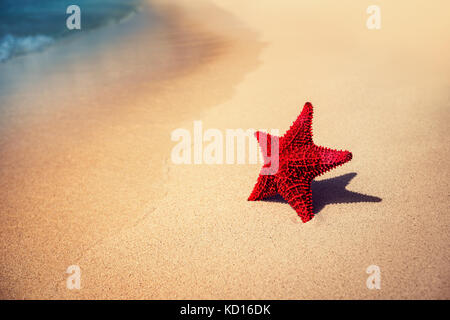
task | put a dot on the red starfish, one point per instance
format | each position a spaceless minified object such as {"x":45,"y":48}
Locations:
{"x":299,"y":161}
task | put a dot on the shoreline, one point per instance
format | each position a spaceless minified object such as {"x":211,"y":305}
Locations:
{"x":93,"y":186}
{"x":24,"y":38}
{"x":82,"y":154}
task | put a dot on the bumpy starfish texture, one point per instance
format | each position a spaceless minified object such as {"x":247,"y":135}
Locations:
{"x":299,"y":162}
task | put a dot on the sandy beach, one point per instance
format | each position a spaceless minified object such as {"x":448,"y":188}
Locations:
{"x":87,"y":178}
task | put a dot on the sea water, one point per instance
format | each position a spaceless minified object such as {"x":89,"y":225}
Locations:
{"x":33,"y":25}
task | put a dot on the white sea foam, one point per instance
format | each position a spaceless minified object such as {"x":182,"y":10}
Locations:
{"x":11,"y":46}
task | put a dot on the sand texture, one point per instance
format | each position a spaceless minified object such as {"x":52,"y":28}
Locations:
{"x":87,"y":179}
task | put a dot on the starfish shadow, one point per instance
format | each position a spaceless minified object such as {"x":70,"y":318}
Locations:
{"x":332,"y":191}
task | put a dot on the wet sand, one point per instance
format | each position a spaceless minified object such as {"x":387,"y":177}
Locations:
{"x":87,"y":179}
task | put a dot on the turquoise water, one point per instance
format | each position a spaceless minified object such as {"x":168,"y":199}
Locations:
{"x":33,"y":25}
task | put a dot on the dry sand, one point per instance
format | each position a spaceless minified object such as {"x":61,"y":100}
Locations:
{"x":87,"y":180}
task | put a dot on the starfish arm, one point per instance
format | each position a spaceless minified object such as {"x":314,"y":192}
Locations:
{"x":268,"y":144}
{"x":297,"y":161}
{"x":264,"y":188}
{"x":297,"y":192}
{"x":329,"y":159}
{"x":300,"y":133}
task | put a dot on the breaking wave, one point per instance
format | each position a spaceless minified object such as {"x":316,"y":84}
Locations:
{"x":30,"y":25}
{"x":11,"y":46}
